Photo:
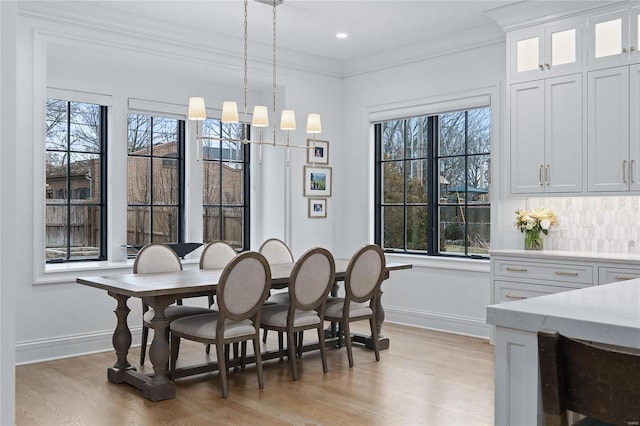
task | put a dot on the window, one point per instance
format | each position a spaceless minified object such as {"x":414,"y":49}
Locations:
{"x":75,"y":207}
{"x":432,"y":175}
{"x":155,"y":179}
{"x":225,"y":174}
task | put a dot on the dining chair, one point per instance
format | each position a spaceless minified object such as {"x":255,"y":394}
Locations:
{"x":363,"y":278}
{"x":241,"y":292}
{"x":309,"y":284}
{"x":158,"y":258}
{"x":599,"y":381}
{"x":276,"y":251}
{"x":216,"y":255}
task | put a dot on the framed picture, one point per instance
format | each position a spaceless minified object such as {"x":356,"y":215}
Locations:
{"x":318,"y":151}
{"x":317,"y":181}
{"x":317,"y":207}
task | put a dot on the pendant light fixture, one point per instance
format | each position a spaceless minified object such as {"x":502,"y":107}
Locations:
{"x":260,"y":117}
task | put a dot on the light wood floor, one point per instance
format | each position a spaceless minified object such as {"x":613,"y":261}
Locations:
{"x":424,"y":378}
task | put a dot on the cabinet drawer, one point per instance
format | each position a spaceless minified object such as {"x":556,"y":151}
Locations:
{"x":564,"y":273}
{"x":610,"y":275}
{"x":509,"y":291}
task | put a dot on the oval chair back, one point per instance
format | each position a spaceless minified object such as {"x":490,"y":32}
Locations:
{"x":276,"y":251}
{"x":216,"y":255}
{"x":156,"y":257}
{"x":365,"y":274}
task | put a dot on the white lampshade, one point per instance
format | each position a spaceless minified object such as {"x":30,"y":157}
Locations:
{"x":260,"y":116}
{"x":288,"y":120}
{"x":197,"y":109}
{"x":314,"y":125}
{"x":229,"y":112}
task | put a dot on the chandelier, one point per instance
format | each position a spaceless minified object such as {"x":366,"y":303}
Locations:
{"x":260,"y":117}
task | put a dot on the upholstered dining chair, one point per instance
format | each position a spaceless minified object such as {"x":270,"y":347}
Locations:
{"x":276,"y":251}
{"x":216,"y":255}
{"x":599,"y":381}
{"x":363,"y":278}
{"x":309,"y":284}
{"x":241,"y":292}
{"x":157,"y":258}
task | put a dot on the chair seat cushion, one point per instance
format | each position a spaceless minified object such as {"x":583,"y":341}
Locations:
{"x":276,"y":316}
{"x":203,"y":327}
{"x":278,"y":298}
{"x":174,"y":312}
{"x":336,"y":304}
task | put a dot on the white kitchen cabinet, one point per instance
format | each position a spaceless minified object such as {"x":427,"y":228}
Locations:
{"x":612,"y":131}
{"x":546,"y":50}
{"x":614,"y":38}
{"x":546,"y":139}
{"x":611,"y":274}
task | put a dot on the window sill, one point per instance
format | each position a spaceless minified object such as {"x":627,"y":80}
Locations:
{"x":68,"y":272}
{"x":440,"y":262}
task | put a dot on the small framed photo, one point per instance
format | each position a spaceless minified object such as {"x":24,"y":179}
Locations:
{"x":317,"y":151}
{"x":317,"y":181}
{"x":317,"y":207}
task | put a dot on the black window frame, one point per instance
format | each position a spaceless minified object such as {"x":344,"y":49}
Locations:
{"x":102,"y":202}
{"x":434,"y":202}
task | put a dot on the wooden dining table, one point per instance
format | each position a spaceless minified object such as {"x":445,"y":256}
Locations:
{"x":159,"y":290}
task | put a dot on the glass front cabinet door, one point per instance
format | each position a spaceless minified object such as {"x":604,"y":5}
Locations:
{"x":614,"y":38}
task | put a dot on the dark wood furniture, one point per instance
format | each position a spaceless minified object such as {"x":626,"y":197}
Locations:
{"x":601,"y":382}
{"x":159,"y":291}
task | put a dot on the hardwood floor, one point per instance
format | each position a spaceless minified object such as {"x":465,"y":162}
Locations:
{"x":424,"y":378}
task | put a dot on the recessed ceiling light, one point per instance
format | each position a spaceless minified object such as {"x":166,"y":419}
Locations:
{"x":342,"y":35}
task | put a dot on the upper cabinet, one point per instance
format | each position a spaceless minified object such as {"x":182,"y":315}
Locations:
{"x":545,"y":51}
{"x":614,"y":38}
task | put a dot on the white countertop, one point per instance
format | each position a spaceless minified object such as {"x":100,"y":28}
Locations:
{"x":608,"y":313}
{"x":632,"y":259}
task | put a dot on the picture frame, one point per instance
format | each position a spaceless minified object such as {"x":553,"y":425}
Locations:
{"x":317,"y":208}
{"x":317,"y":151}
{"x":317,"y":181}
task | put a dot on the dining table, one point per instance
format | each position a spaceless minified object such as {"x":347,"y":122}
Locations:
{"x":159,"y":290}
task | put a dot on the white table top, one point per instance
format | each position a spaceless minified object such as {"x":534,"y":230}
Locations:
{"x":608,"y":313}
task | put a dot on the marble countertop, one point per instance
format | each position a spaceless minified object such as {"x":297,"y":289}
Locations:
{"x":632,"y":259}
{"x":608,"y":313}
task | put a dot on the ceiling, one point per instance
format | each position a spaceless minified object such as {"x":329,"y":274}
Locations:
{"x":310,"y":25}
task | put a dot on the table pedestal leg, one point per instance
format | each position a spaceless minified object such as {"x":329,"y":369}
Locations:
{"x":159,"y":387}
{"x":121,"y":341}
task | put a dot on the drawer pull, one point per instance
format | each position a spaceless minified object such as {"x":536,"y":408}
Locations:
{"x":571,"y":274}
{"x":508,"y":296}
{"x":624,"y":277}
{"x":517,"y":269}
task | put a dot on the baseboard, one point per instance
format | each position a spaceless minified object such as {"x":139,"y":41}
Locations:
{"x":69,"y":346}
{"x":466,"y":326}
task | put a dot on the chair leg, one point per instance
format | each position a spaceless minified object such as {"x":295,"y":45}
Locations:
{"x":143,"y":344}
{"x":291,"y":348}
{"x":258,"y":354}
{"x":243,"y":354}
{"x":347,"y":341}
{"x":208,"y":349}
{"x":323,"y":349}
{"x":300,"y":335}
{"x":173,"y":360}
{"x":374,"y":336}
{"x":264,"y":336}
{"x":222,"y":367}
{"x":281,"y":345}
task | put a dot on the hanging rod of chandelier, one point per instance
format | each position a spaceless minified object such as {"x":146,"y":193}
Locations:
{"x":260,"y":118}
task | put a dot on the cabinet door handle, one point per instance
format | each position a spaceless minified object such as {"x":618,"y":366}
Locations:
{"x":508,"y":296}
{"x":516,"y":269}
{"x":548,"y":66}
{"x":631,"y":173}
{"x":624,"y":171}
{"x":540,"y":175}
{"x":541,"y":67}
{"x":546,"y":175}
{"x":570,"y":274}
{"x":624,"y":50}
{"x":624,"y":277}
{"x":631,"y":49}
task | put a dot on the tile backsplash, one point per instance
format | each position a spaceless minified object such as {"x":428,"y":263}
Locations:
{"x":593,"y":224}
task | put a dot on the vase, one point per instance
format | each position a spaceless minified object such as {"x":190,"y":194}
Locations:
{"x":532,"y":240}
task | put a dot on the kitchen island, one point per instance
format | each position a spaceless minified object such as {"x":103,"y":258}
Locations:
{"x":607,"y":313}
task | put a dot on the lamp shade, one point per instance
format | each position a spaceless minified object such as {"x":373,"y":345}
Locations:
{"x":229,"y":112}
{"x":288,"y":120}
{"x":197,"y":109}
{"x":314,"y":125}
{"x":260,"y":116}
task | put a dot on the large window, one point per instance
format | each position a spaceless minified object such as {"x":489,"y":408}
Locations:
{"x":75,"y":186}
{"x":155,"y":179}
{"x":432,"y":183}
{"x":225,"y":173}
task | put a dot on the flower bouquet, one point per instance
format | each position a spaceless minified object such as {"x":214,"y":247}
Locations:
{"x":534,"y":223}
